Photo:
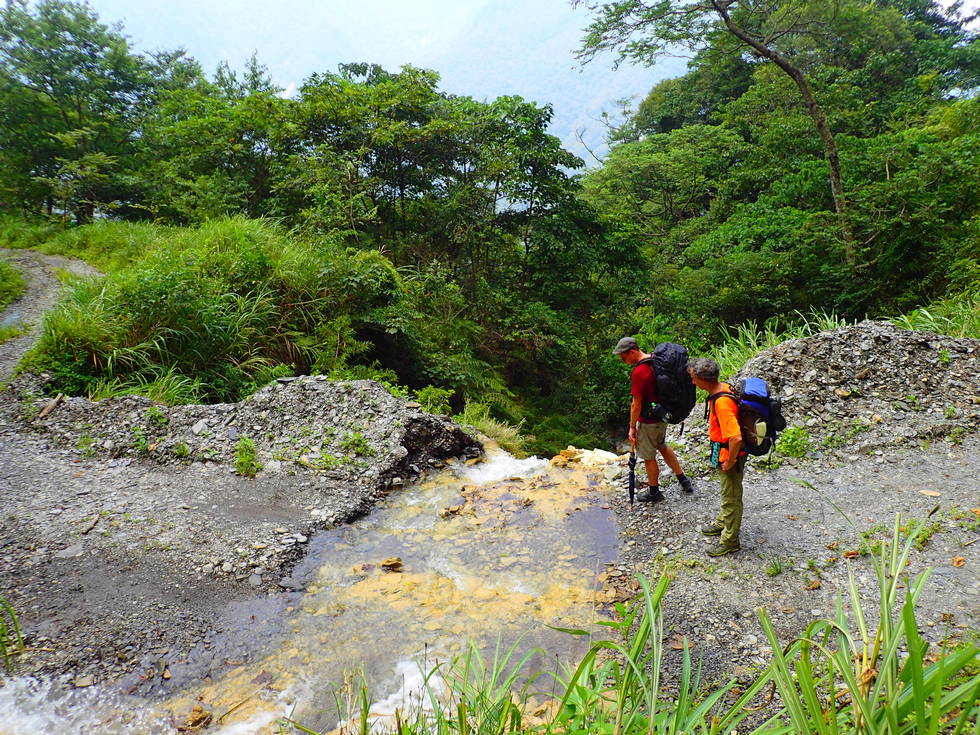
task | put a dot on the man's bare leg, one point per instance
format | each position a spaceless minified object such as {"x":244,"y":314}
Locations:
{"x":653,"y":471}
{"x":671,"y":459}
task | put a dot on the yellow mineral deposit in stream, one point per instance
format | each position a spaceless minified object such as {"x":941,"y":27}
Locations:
{"x":458,"y":585}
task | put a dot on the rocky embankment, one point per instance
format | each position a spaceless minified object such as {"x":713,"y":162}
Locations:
{"x":872,"y":386}
{"x":128,"y":526}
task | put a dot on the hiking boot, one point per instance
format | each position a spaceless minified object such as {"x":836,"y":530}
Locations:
{"x":712,"y":529}
{"x":651,"y":495}
{"x":722,"y":549}
{"x":686,"y":485}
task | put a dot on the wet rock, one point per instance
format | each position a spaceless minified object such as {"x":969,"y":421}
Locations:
{"x":450,"y":511}
{"x":198,"y":719}
{"x":392,"y":564}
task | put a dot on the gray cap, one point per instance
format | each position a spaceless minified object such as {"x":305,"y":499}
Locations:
{"x":625,"y":345}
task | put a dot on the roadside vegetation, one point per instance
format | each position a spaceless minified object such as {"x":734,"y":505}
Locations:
{"x":862,"y":671}
{"x":11,"y":283}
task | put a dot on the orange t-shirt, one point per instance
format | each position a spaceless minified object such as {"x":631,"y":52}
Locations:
{"x":723,"y":422}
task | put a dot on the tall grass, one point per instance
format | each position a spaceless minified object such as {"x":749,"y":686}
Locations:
{"x":843,"y":675}
{"x":747,"y":340}
{"x":11,"y":639}
{"x":956,"y":316}
{"x":208,"y":313}
{"x":19,"y":233}
{"x":852,"y":673}
{"x":11,"y":283}
{"x":106,"y":245}
{"x":507,"y":436}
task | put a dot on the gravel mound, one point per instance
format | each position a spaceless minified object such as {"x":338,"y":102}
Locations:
{"x":352,"y":433}
{"x":872,"y":385}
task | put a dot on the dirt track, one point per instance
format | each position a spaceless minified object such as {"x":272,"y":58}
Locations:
{"x":40,"y":294}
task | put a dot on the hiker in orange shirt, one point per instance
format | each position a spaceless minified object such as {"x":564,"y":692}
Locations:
{"x":726,"y":454}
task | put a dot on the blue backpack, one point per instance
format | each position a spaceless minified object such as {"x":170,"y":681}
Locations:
{"x":760,"y":415}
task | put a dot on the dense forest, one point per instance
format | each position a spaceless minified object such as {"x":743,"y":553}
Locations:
{"x":815,"y":156}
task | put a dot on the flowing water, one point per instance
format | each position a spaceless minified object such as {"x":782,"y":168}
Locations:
{"x":492,"y":553}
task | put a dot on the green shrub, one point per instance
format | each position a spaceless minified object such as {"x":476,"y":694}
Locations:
{"x":356,"y":443}
{"x":793,"y":442}
{"x":141,"y":443}
{"x":434,"y":400}
{"x":246,"y":462}
{"x":155,"y":417}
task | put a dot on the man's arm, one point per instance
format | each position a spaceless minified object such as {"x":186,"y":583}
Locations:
{"x":635,"y":407}
{"x":734,"y":447}
{"x":726,"y":411}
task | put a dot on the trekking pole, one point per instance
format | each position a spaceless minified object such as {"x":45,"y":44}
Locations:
{"x":632,"y":476}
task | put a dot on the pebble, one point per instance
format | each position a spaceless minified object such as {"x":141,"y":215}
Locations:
{"x":70,"y":552}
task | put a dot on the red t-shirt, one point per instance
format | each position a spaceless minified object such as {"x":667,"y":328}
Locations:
{"x":643,"y":385}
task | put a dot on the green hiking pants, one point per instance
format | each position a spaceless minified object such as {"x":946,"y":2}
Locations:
{"x":730,"y":515}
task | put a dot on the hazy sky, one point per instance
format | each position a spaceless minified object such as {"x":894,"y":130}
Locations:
{"x":482,"y":48}
{"x":297,"y":37}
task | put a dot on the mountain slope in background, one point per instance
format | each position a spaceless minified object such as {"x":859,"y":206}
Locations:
{"x":527,"y":49}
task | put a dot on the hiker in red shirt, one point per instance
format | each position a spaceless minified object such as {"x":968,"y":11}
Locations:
{"x":726,"y":455}
{"x":648,"y":436}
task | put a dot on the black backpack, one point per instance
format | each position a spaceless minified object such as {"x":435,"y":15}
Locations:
{"x":760,"y":416}
{"x":676,"y":394}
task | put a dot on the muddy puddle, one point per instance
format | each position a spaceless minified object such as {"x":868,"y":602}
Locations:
{"x":491,"y":554}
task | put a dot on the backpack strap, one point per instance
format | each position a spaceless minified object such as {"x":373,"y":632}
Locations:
{"x":714,"y":397}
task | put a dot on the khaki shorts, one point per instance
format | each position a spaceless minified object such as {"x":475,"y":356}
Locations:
{"x":650,"y":438}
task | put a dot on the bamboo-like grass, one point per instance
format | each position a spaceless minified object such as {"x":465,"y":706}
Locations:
{"x":11,"y":637}
{"x":956,"y":316}
{"x":745,"y":341}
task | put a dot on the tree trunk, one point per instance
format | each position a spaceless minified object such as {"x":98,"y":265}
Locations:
{"x":819,"y":119}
